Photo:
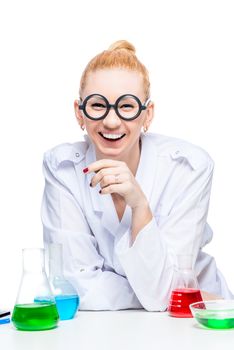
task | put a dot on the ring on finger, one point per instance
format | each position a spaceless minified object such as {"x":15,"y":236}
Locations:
{"x":117,"y":178}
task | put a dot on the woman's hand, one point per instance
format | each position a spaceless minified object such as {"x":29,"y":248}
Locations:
{"x":115,"y":177}
{"x":209,"y":296}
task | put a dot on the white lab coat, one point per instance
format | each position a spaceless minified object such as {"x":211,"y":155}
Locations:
{"x":109,"y":273}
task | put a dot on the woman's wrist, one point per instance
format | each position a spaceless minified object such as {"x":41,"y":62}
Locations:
{"x":141,"y":216}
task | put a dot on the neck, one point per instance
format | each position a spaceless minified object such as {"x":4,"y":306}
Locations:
{"x":131,"y":158}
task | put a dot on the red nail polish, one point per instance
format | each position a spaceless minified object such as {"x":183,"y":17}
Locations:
{"x":85,"y":170}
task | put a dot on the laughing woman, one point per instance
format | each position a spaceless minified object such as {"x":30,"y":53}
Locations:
{"x":124,"y":202}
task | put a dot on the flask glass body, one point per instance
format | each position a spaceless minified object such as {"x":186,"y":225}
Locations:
{"x":66,"y":297}
{"x":185,"y":289}
{"x":35,"y":307}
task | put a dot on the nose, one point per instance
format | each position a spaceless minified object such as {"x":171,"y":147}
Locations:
{"x":111,"y":121}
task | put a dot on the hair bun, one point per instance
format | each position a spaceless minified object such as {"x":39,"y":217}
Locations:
{"x":122,"y":44}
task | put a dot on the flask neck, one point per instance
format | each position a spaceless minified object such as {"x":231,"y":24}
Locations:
{"x":33,"y":260}
{"x":184,"y":262}
{"x":55,"y":260}
{"x":185,"y":276}
{"x":55,"y":269}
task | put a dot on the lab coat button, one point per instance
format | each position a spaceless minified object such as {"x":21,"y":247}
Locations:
{"x":82,"y":270}
{"x":177,"y":152}
{"x":77,"y":154}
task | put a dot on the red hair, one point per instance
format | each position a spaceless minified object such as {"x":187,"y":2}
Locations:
{"x":121,"y":54}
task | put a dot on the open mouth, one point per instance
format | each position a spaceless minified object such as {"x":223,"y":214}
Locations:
{"x":112,"y":137}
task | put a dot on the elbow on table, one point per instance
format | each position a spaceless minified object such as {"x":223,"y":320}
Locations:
{"x":154,"y":305}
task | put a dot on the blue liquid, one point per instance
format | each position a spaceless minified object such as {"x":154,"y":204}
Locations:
{"x":67,"y":306}
{"x":4,"y":320}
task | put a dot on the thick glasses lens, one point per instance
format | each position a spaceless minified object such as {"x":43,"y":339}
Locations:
{"x":96,"y":107}
{"x":128,"y":107}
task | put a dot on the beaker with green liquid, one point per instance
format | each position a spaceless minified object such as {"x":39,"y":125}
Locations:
{"x":35,"y":308}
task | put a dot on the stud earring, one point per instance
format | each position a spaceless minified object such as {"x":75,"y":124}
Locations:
{"x":82,"y":127}
{"x":145,"y":129}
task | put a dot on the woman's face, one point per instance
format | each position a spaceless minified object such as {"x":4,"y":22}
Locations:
{"x":113,"y":83}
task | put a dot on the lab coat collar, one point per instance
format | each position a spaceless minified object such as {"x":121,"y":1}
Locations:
{"x":181,"y":152}
{"x":67,"y":153}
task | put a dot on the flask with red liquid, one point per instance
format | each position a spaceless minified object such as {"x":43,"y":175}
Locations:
{"x":185,"y":289}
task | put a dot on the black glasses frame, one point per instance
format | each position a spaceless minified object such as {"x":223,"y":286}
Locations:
{"x":115,"y":106}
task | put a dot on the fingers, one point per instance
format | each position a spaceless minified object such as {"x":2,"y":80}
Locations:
{"x":108,"y":180}
{"x":121,"y":188}
{"x":113,"y":180}
{"x":102,"y":164}
{"x":105,"y":176}
{"x":111,"y":189}
{"x":106,"y":172}
{"x":112,"y":177}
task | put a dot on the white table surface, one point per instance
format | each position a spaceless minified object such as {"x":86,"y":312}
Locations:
{"x":130,"y":329}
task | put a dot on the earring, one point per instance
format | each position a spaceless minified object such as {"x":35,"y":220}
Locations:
{"x":145,"y":129}
{"x":82,"y":127}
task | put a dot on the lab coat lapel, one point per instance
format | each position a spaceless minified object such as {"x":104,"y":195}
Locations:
{"x":145,"y":176}
{"x":109,"y":218}
{"x":102,"y":204}
{"x":94,"y":192}
{"x":146,"y":171}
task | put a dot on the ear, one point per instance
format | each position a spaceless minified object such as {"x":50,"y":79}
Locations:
{"x":78,"y":113}
{"x":149,"y":115}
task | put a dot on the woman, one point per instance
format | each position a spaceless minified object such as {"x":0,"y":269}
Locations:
{"x":124,"y":203}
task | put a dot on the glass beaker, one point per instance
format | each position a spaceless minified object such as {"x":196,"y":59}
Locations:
{"x":185,"y":289}
{"x":66,"y":297}
{"x":35,"y":308}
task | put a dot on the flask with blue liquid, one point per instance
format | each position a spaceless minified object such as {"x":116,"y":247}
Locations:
{"x":66,"y":297}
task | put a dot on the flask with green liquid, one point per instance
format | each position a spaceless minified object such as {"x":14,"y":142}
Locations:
{"x":35,"y":308}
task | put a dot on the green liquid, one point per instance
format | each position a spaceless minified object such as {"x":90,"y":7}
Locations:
{"x":211,"y":320}
{"x":35,"y":317}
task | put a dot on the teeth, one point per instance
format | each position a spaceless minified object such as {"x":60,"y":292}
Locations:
{"x":112,"y":136}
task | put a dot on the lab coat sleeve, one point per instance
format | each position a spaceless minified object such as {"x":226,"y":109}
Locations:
{"x":149,"y":262}
{"x":64,"y":222}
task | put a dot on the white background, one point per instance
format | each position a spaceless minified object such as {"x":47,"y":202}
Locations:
{"x":188,"y":48}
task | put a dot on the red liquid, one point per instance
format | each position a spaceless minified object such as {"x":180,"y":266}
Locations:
{"x":180,"y":301}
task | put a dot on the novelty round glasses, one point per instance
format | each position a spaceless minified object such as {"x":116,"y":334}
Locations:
{"x":127,"y":107}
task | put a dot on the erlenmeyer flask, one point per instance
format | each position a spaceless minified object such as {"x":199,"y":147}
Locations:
{"x":185,"y":290}
{"x":35,"y":307}
{"x":66,"y":297}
